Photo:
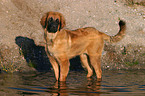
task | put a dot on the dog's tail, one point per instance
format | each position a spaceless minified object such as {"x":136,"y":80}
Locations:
{"x":118,"y":36}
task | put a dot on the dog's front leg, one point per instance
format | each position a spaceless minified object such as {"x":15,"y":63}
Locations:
{"x":64,"y":68}
{"x":55,"y":66}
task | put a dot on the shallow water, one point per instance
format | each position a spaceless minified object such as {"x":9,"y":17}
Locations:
{"x":114,"y":83}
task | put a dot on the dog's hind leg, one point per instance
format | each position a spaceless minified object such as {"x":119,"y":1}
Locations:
{"x":96,"y":63}
{"x":95,"y":52}
{"x":84,"y":60}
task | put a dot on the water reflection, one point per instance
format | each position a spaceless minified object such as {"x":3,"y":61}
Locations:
{"x":113,"y":83}
{"x":92,"y":89}
{"x":60,"y":89}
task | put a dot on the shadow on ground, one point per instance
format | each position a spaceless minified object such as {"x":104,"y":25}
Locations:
{"x":36,"y":56}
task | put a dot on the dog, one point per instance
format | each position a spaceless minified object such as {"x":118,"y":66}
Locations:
{"x":62,"y":44}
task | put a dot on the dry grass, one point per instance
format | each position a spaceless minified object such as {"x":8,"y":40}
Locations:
{"x":8,"y":62}
{"x":125,"y":57}
{"x":133,"y":2}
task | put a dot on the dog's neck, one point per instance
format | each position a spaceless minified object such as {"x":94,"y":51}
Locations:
{"x":49,"y":37}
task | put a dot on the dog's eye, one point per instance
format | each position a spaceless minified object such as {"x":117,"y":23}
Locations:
{"x":50,"y":19}
{"x":57,"y":20}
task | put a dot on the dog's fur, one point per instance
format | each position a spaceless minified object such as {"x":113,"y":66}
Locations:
{"x":62,"y":44}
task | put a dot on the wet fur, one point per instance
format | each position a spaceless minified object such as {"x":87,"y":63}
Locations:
{"x":66,"y":44}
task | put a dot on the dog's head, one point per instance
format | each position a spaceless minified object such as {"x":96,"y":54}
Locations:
{"x":53,"y":21}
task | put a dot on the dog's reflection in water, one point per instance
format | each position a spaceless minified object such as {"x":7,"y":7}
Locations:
{"x":92,"y":88}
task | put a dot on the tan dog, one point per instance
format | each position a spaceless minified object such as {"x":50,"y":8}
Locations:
{"x":62,"y":44}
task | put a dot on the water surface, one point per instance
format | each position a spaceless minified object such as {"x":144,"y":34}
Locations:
{"x":114,"y":83}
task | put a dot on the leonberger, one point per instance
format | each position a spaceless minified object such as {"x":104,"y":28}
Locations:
{"x":62,"y":44}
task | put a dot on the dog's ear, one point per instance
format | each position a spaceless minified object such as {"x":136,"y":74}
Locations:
{"x":44,"y":20}
{"x":62,"y":21}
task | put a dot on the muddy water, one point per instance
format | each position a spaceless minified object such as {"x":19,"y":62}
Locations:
{"x":114,"y":83}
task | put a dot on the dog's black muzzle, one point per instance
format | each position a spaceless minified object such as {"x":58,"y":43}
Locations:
{"x":52,"y":27}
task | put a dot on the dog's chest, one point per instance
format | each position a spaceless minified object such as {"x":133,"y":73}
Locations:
{"x":57,"y":47}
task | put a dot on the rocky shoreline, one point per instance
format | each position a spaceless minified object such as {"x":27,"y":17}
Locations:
{"x":21,"y":35}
